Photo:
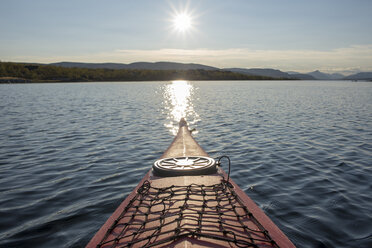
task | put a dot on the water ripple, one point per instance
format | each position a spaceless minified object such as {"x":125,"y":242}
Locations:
{"x":70,"y":153}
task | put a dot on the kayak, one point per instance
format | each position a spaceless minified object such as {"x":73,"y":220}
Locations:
{"x":187,"y":200}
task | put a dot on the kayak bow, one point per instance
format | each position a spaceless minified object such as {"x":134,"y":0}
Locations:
{"x":186,"y":201}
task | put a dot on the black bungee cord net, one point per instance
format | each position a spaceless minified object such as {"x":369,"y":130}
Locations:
{"x":159,"y":216}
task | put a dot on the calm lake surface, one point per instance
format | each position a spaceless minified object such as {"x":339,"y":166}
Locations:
{"x":70,"y":153}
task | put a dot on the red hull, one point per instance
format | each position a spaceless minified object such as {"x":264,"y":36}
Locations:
{"x":204,"y":211}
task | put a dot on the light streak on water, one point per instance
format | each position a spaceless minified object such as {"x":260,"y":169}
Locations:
{"x":178,"y":103}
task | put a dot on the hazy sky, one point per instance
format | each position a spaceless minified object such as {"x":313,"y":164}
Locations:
{"x":298,"y":35}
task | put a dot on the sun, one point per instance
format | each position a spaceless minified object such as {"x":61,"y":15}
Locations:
{"x":182,"y":22}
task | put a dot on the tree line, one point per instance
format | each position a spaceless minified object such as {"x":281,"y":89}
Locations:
{"x":49,"y":73}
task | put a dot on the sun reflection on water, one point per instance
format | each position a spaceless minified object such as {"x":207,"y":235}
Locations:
{"x":178,"y":103}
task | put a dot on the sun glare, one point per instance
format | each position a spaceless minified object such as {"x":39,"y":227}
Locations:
{"x":182,"y":22}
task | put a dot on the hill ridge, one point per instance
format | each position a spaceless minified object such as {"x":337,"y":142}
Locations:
{"x":168,"y":65}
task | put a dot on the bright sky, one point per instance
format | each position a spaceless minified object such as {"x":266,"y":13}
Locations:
{"x":296,"y":35}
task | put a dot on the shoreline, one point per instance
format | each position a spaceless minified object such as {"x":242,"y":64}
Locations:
{"x":27,"y":81}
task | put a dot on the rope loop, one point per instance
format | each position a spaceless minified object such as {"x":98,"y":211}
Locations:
{"x":228,"y":159}
{"x":144,"y":188}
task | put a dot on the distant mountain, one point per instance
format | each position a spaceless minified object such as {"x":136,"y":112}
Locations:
{"x":292,"y":72}
{"x":337,"y":76}
{"x":170,"y":66}
{"x":271,"y":73}
{"x":326,"y":76}
{"x":260,"y":72}
{"x":11,"y":72}
{"x":138,"y":65}
{"x":315,"y":75}
{"x":302,"y":76}
{"x":360,"y":76}
{"x":90,"y":65}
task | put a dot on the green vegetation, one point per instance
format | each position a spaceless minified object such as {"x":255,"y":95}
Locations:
{"x":20,"y":72}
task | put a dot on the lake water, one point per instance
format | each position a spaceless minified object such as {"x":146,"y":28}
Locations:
{"x":70,"y":153}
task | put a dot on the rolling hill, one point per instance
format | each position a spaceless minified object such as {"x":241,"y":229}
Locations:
{"x":264,"y":72}
{"x":138,"y":65}
{"x":271,"y":73}
{"x":360,"y":76}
